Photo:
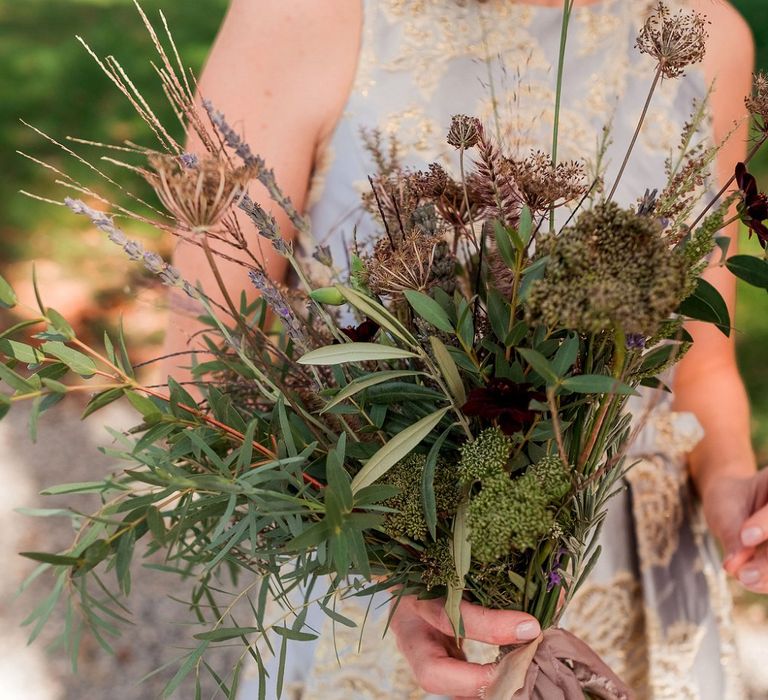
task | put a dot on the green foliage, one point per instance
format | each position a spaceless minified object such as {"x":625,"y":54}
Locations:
{"x":406,"y":476}
{"x":513,"y":515}
{"x":485,"y":457}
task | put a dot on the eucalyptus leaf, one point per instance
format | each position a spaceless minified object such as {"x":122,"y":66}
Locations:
{"x":396,"y":449}
{"x":354,"y":352}
{"x":429,"y":310}
{"x":78,"y":362}
{"x":450,"y":370}
{"x":541,"y":365}
{"x":22,"y":352}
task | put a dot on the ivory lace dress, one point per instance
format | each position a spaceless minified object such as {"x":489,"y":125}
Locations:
{"x":656,"y":608}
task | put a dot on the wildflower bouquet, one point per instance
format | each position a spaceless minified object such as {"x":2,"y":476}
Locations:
{"x":448,"y":420}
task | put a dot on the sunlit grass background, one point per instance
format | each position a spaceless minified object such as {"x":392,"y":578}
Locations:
{"x":48,"y":79}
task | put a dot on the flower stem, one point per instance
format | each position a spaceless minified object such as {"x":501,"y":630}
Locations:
{"x":567,"y":7}
{"x":640,"y":122}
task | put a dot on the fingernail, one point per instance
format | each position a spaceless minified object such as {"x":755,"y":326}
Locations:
{"x":752,"y":536}
{"x":749,"y":576}
{"x":528,"y":630}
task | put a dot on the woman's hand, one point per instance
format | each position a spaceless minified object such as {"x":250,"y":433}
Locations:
{"x":736,"y":508}
{"x":426,"y":639}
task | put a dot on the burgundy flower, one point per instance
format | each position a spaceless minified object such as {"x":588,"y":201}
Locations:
{"x":753,"y":209}
{"x":504,"y":403}
{"x":364,"y":333}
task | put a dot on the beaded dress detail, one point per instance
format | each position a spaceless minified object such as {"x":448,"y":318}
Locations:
{"x":656,"y":607}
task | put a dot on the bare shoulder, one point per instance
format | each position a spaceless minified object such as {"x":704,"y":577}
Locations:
{"x":728,"y":66}
{"x":295,"y":58}
{"x":731,"y":46}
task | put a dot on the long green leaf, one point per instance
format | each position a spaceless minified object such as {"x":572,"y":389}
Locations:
{"x":596,"y":384}
{"x":8,"y":297}
{"x":426,"y":307}
{"x":78,"y":362}
{"x":353,"y":352}
{"x":357,"y":385}
{"x":428,"y":502}
{"x":449,"y":369}
{"x":461,"y":549}
{"x":376,"y":312}
{"x":397,"y":448}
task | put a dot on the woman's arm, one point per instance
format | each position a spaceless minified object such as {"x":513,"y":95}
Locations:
{"x":280,"y":72}
{"x":707,"y":382}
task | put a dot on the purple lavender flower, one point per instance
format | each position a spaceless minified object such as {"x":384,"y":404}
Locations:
{"x":265,"y":224}
{"x":277,"y":302}
{"x":554,"y":576}
{"x":553,"y":579}
{"x":635,"y":341}
{"x":189,"y":160}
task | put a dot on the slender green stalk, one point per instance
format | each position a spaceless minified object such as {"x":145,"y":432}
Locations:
{"x":643,"y":114}
{"x":567,"y":8}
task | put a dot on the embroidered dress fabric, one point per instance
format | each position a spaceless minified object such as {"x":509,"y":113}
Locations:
{"x":656,"y":607}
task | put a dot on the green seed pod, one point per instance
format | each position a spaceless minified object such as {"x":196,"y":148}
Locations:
{"x":327,"y":295}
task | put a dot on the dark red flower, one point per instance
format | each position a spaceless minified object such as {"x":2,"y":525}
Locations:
{"x":505,"y":403}
{"x":364,"y":333}
{"x":753,"y":209}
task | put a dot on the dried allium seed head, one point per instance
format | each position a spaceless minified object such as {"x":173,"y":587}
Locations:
{"x":543,"y":184}
{"x":429,"y":183}
{"x":675,"y":41}
{"x":197,"y":193}
{"x":757,"y":102}
{"x":464,"y":131}
{"x":418,"y":261}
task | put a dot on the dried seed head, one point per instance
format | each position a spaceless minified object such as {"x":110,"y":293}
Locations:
{"x":757,"y":101}
{"x":610,"y":269}
{"x":464,"y":131}
{"x":197,"y":192}
{"x":675,"y":41}
{"x":419,"y":261}
{"x":542,"y":184}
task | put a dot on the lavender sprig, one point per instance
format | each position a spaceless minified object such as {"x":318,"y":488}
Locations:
{"x":278,"y":303}
{"x":265,"y":175}
{"x":265,"y":224}
{"x":168,"y":274}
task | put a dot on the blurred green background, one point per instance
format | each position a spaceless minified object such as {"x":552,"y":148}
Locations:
{"x":48,"y":79}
